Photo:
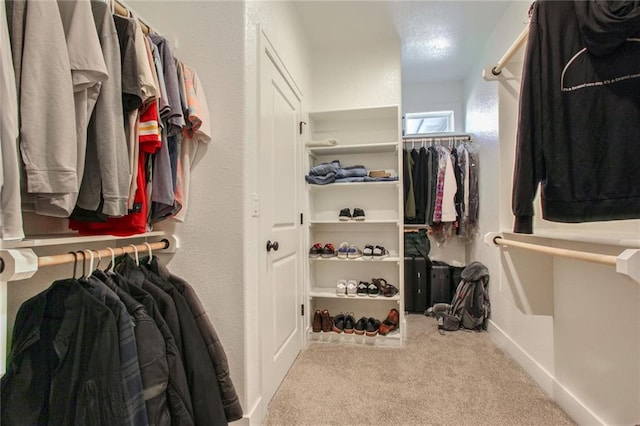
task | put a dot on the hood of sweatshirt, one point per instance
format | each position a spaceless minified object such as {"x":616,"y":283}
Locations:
{"x":475,"y":271}
{"x":606,"y":25}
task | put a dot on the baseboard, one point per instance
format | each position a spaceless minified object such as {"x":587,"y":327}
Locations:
{"x":578,"y":411}
{"x":252,"y":417}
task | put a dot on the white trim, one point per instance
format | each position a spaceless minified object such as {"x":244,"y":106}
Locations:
{"x":575,"y":408}
{"x":254,"y":416}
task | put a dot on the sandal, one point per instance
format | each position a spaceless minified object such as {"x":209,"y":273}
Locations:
{"x":367,"y":253}
{"x":386,"y":289}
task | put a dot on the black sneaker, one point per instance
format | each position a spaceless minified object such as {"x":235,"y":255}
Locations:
{"x":338,"y":323}
{"x":361,"y":326}
{"x":363,"y":288}
{"x":372,"y":326}
{"x":358,"y":214}
{"x":373,"y":290}
{"x":349,"y":324}
{"x":316,"y":250}
{"x":345,"y":214}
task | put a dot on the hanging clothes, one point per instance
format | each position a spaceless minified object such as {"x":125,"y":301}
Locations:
{"x":64,"y":366}
{"x":11,"y":227}
{"x":116,"y":348}
{"x":579,"y":54}
{"x":205,"y":392}
{"x":444,"y":183}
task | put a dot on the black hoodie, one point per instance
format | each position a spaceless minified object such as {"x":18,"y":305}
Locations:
{"x":579,"y":122}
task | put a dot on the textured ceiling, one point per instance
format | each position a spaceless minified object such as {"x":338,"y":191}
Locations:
{"x":440,"y":39}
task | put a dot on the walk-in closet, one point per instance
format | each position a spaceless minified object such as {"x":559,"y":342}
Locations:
{"x":264,"y":195}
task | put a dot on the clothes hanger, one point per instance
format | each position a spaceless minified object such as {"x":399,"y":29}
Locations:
{"x":150,"y":252}
{"x":113,"y":260}
{"x":92,"y":258}
{"x":75,"y":263}
{"x":135,"y":250}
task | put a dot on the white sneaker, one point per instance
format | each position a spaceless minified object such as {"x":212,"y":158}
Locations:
{"x":352,"y":287}
{"x":341,"y":288}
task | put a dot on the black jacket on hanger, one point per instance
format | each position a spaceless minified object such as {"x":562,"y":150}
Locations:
{"x":178,"y":396}
{"x":579,"y":114}
{"x":64,"y":367}
{"x":230,"y":400}
{"x":203,"y":385}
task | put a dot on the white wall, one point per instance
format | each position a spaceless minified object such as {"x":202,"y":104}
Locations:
{"x":435,"y":96}
{"x":560,"y":319}
{"x":356,"y":76}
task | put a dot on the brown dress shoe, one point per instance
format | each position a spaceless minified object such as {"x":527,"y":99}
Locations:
{"x":326,"y":321}
{"x":316,"y":325}
{"x":390,"y":324}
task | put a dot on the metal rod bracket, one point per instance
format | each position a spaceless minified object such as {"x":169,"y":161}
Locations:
{"x":628,"y":263}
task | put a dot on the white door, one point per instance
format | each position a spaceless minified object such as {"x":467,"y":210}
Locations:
{"x":280,"y":274}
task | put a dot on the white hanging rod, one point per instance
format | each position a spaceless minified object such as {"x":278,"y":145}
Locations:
{"x":627,"y":263}
{"x":517,"y":45}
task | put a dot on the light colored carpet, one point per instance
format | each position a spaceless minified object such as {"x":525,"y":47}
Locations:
{"x":460,"y":378}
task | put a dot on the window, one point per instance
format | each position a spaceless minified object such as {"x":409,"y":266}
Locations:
{"x":428,"y":122}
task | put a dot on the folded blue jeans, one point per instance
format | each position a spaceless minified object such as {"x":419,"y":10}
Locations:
{"x":352,"y":171}
{"x":324,"y":169}
{"x":321,"y":180}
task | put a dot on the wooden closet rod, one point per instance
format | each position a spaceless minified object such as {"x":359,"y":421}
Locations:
{"x":522,"y":38}
{"x":122,"y":10}
{"x":571,"y":254}
{"x":61,"y":259}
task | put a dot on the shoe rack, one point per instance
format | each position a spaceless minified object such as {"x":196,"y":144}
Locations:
{"x":369,"y":137}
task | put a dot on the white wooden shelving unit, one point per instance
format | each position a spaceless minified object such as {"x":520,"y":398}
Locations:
{"x":370,"y":137}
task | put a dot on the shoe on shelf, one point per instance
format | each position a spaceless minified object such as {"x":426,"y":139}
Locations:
{"x":316,"y":250}
{"x":372,"y":327}
{"x":327,"y":321}
{"x":361,"y":326}
{"x":338,"y":323}
{"x":367,"y":253}
{"x":380,"y":252}
{"x":352,"y":287}
{"x":353,"y":252}
{"x":342,"y":250}
{"x":341,"y":288}
{"x":316,"y":325}
{"x":373,"y":290}
{"x":390,"y":324}
{"x":345,"y":214}
{"x":363,"y":288}
{"x":386,"y":289}
{"x":358,"y":214}
{"x":390,"y":290}
{"x":349,"y":324}
{"x":328,"y":251}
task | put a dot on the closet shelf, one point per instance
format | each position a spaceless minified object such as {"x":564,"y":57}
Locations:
{"x":621,"y":239}
{"x":365,"y":148}
{"x":359,"y":185}
{"x":332,"y":337}
{"x":62,"y":239}
{"x":326,"y":293}
{"x":354,"y":222}
{"x":393,"y":258}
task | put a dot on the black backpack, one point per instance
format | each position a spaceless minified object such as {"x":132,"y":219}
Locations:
{"x":471,"y":304}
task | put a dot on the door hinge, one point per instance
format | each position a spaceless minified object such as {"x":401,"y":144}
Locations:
{"x":301,"y":218}
{"x":302,"y":310}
